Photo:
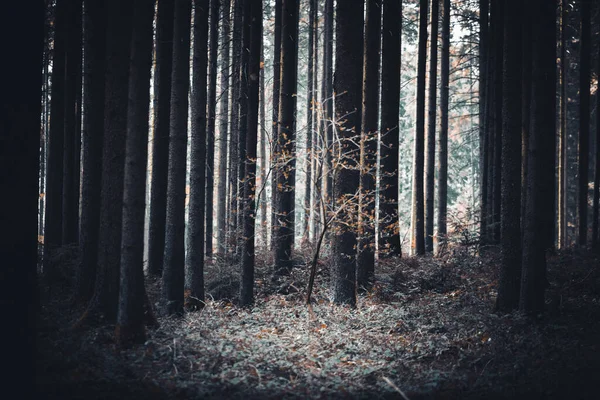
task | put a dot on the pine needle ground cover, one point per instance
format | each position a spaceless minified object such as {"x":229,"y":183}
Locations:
{"x":425,"y":330}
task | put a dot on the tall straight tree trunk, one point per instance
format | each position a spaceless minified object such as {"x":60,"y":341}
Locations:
{"x":310,"y":123}
{"x":316,"y":137}
{"x":597,"y":169}
{"x":54,"y":174}
{"x":348,"y":101}
{"x":286,"y":136}
{"x":132,"y":292}
{"x":584,"y":120}
{"x":275,"y":122}
{"x":93,"y":130}
{"x":327,"y":101}
{"x":510,"y":273}
{"x":223,"y":130}
{"x":390,"y":130}
{"x":431,"y":124}
{"x":365,"y":263}
{"x":562,"y":163}
{"x":70,"y":192}
{"x":253,"y":26}
{"x":263,"y":150}
{"x":525,"y":104}
{"x":118,"y":43}
{"x":541,"y":167}
{"x":174,"y":257}
{"x":442,"y":193}
{"x":417,"y":222}
{"x":198,"y":152}
{"x":160,"y":144}
{"x":483,"y":115}
{"x":210,"y":130}
{"x":498,"y":102}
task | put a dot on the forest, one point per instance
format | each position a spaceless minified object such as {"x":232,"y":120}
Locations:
{"x":394,"y":199}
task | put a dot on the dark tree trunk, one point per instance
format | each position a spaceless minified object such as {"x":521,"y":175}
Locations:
{"x":261,"y":190}
{"x":525,"y":104}
{"x":442,"y":193}
{"x":390,"y":134}
{"x":210,"y":130}
{"x":417,"y":222}
{"x":597,"y":167}
{"x":483,"y":115}
{"x":316,"y":137}
{"x":118,"y":43}
{"x":510,"y":273}
{"x":20,"y":110}
{"x":253,"y":27}
{"x":223,"y":127}
{"x":93,"y":131}
{"x":431,"y":124}
{"x":198,"y":151}
{"x":348,"y":102}
{"x":327,"y":101}
{"x":70,"y":192}
{"x":584,"y":120}
{"x":365,"y":263}
{"x":174,"y":257}
{"x":132,"y":293}
{"x":541,"y":167}
{"x":275,"y":122}
{"x":160,"y":143}
{"x":498,"y":12}
{"x":562,"y":146}
{"x":54,"y":174}
{"x":286,"y":136}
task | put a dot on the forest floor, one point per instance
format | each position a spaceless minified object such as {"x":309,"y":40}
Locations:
{"x":427,"y":330}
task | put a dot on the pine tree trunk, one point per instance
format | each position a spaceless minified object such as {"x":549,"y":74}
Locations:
{"x":498,"y":99}
{"x":442,"y":193}
{"x":253,"y":27}
{"x":390,"y":134}
{"x":327,"y":101}
{"x":431,"y":124}
{"x":286,"y":136}
{"x":160,"y":144}
{"x":198,"y":153}
{"x":263,"y":150}
{"x":132,"y":293}
{"x":223,"y":131}
{"x":584,"y":121}
{"x":562,"y":164}
{"x":595,"y":233}
{"x":316,"y":137}
{"x":310,"y":125}
{"x":365,"y":263}
{"x":174,"y":257}
{"x":510,"y":273}
{"x":417,"y":222}
{"x":93,"y":131}
{"x":212,"y":111}
{"x":483,"y":115}
{"x":525,"y":105}
{"x":274,"y":148}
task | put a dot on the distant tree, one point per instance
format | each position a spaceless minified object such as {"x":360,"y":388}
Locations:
{"x":211,"y":120}
{"x":417,"y":222}
{"x":365,"y":263}
{"x":174,"y":257}
{"x":442,"y":170}
{"x":390,"y":132}
{"x":510,"y":273}
{"x":540,"y":165}
{"x":93,"y":130}
{"x":198,"y":151}
{"x":286,"y":137}
{"x":431,"y":125}
{"x":584,"y":119}
{"x":253,"y":27}
{"x":132,"y":292}
{"x":160,"y":142}
{"x":327,"y":100}
{"x":348,"y":102}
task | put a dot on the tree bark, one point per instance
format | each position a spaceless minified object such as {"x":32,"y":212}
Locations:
{"x":483,"y":115}
{"x":174,"y":257}
{"x":274,"y":144}
{"x":584,"y":120}
{"x":160,"y":143}
{"x":562,"y":146}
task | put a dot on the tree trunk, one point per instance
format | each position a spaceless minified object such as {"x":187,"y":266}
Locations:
{"x":310,"y":125}
{"x":223,"y":131}
{"x":525,"y":105}
{"x":562,"y":146}
{"x":417,"y":223}
{"x":316,"y":137}
{"x":198,"y":152}
{"x":431,"y":124}
{"x":597,"y":169}
{"x":442,"y":193}
{"x":253,"y":27}
{"x":483,"y":114}
{"x":274,"y":149}
{"x":286,"y":136}
{"x":348,"y":101}
{"x":263,"y":150}
{"x":210,"y":130}
{"x":510,"y":273}
{"x":541,"y":168}
{"x":93,"y":130}
{"x":498,"y":13}
{"x":132,"y":293}
{"x":390,"y":130}
{"x":365,"y":263}
{"x":584,"y":120}
{"x":174,"y":257}
{"x":327,"y":101}
{"x":160,"y":144}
